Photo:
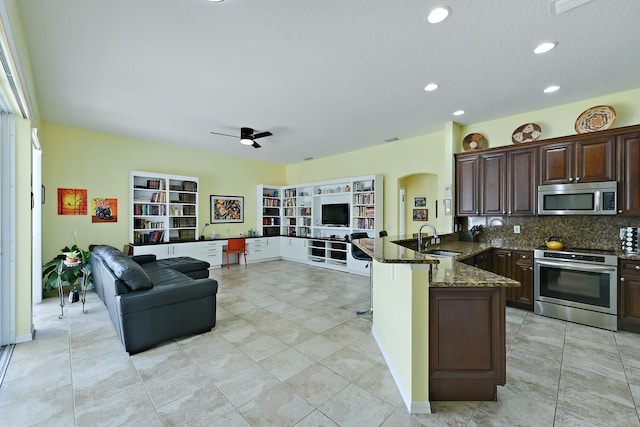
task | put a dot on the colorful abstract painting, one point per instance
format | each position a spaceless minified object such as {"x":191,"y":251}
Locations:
{"x":104,"y":210}
{"x":227,"y":209}
{"x":72,"y":201}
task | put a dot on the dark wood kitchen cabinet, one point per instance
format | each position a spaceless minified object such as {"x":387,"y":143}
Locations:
{"x":483,"y":260}
{"x":628,"y":166}
{"x":496,"y":183}
{"x":522,"y":182}
{"x":522,"y":297}
{"x":591,"y":160}
{"x":467,"y":354}
{"x":629,"y":296}
{"x":502,"y":262}
{"x":467,"y":185}
{"x":516,"y":265}
{"x":493,"y":192}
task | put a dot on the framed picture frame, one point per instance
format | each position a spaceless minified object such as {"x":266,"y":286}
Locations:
{"x":420,"y":202}
{"x":420,"y":214}
{"x":227,"y":209}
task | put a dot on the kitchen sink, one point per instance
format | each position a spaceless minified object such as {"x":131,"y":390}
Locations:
{"x":440,"y":252}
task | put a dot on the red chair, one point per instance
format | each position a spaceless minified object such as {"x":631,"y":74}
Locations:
{"x":237,"y":246}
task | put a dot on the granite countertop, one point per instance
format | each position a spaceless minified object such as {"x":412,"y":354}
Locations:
{"x":445,"y":271}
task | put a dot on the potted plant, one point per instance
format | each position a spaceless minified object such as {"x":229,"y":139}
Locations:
{"x":73,"y":270}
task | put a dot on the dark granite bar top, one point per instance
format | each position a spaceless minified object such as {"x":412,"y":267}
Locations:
{"x":445,"y":271}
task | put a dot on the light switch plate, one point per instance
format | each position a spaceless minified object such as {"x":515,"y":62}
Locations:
{"x":516,"y":229}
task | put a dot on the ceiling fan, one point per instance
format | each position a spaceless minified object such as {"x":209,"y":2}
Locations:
{"x":247,"y":136}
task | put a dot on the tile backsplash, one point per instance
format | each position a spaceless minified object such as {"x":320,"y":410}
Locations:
{"x":596,"y":232}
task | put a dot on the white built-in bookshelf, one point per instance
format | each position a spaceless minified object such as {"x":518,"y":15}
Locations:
{"x":298,"y":211}
{"x":164,"y":208}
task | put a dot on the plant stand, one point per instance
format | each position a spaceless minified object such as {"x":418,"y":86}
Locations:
{"x":83,"y":289}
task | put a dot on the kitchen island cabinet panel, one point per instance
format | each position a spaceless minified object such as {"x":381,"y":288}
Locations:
{"x":467,"y":357}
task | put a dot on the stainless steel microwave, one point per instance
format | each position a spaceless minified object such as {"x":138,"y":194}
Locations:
{"x":593,"y":198}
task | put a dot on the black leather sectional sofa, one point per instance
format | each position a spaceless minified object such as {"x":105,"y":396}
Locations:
{"x":151,"y":301}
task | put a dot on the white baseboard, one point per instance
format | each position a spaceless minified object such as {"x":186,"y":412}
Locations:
{"x":412,"y":407}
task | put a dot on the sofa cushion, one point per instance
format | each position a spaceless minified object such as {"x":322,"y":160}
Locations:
{"x":183,"y":264}
{"x":125,"y":269}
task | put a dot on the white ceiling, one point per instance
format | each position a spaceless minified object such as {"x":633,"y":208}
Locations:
{"x":325,"y":77}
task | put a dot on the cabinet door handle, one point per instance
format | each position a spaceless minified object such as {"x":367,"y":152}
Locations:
{"x":530,"y":268}
{"x":620,"y":211}
{"x":570,"y":179}
{"x":577,"y":178}
{"x":622,"y":279}
{"x":637,"y":267}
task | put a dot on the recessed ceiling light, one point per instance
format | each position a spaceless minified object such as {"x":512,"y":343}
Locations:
{"x":552,"y":88}
{"x":544,"y":47}
{"x":431,"y":87}
{"x":458,"y":113}
{"x":438,"y":14}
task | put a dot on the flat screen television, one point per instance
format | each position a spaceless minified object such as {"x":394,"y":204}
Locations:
{"x":335,"y":214}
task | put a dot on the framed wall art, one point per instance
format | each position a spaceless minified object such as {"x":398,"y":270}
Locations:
{"x":72,"y":201}
{"x":227,"y":209}
{"x":420,"y":215}
{"x":420,"y":202}
{"x":104,"y":210}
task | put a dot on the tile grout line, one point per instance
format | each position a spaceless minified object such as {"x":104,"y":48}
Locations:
{"x":624,"y":369}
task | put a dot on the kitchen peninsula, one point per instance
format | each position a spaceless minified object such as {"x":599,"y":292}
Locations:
{"x":439,"y":323}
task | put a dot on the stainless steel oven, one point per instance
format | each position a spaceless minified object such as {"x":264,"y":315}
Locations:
{"x":578,"y":285}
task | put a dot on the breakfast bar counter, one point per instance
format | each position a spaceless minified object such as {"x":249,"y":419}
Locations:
{"x":439,"y":323}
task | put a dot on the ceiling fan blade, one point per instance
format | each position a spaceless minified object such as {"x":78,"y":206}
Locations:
{"x":223,"y":134}
{"x":256,"y":145}
{"x":262,"y":134}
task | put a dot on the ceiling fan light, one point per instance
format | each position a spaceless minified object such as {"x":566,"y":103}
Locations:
{"x":544,"y":47}
{"x":246,"y":140}
{"x":438,"y":15}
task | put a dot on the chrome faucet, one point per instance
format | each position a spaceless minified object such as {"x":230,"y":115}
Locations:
{"x":435,"y":239}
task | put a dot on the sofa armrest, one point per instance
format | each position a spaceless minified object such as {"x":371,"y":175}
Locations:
{"x":160,"y":296}
{"x":144,"y":259}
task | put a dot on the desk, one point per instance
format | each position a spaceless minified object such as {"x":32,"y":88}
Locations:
{"x":83,"y":288}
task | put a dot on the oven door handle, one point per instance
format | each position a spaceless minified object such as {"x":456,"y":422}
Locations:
{"x":578,"y":266}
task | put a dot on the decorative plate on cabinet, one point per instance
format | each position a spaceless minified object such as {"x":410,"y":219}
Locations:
{"x":528,"y":132}
{"x":596,"y":118}
{"x":474,"y":141}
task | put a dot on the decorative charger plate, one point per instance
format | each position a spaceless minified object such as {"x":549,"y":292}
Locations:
{"x":596,"y":118}
{"x":474,"y":141}
{"x":528,"y":132}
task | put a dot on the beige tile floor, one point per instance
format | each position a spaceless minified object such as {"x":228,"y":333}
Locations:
{"x":288,"y":350}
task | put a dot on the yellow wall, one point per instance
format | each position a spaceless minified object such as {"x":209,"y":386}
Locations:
{"x":401,"y":327}
{"x":102,"y":164}
{"x":23,"y":230}
{"x":558,"y":121}
{"x":394,"y":161}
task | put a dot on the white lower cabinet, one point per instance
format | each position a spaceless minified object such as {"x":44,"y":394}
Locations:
{"x":355,"y":266}
{"x":293,"y":249}
{"x":210,"y":251}
{"x":323,"y":253}
{"x":263,"y":249}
